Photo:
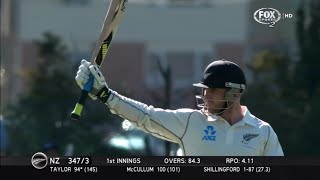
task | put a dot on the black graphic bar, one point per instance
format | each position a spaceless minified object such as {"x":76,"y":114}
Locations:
{"x":166,"y":161}
{"x":147,"y":172}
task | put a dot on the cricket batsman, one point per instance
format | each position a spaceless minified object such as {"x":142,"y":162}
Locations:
{"x":220,"y":127}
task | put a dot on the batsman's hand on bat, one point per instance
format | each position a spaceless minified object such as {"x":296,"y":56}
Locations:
{"x":100,"y":88}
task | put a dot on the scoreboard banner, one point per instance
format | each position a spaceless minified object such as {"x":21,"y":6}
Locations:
{"x":40,"y":164}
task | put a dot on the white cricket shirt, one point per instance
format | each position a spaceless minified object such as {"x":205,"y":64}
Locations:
{"x":198,"y":134}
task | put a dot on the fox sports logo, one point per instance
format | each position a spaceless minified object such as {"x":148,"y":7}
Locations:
{"x":267,"y":16}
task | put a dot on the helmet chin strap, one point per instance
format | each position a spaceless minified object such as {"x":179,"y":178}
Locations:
{"x":225,"y":107}
{"x":229,"y":97}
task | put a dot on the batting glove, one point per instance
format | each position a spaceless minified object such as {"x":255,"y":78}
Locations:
{"x":100,"y":87}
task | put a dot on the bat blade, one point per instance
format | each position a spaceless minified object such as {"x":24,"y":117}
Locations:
{"x":108,"y":30}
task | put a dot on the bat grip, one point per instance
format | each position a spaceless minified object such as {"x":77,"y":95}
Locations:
{"x":76,"y":113}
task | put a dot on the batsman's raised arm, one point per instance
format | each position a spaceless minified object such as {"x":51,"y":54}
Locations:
{"x":166,"y":124}
{"x":221,"y":127}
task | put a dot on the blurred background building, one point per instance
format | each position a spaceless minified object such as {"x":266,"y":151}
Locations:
{"x":185,"y":35}
{"x":10,"y":51}
{"x":171,"y":33}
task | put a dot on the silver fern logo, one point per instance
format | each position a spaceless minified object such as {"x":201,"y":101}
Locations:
{"x":39,"y":160}
{"x":247,"y":137}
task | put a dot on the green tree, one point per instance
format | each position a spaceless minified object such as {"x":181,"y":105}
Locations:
{"x":43,"y":113}
{"x":268,"y":97}
{"x":291,"y":90}
{"x":306,"y":76}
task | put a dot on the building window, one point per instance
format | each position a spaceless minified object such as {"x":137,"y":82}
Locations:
{"x":75,"y":2}
{"x":154,"y":78}
{"x":181,"y":64}
{"x":186,"y":67}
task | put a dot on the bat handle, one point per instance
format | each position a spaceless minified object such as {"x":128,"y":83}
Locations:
{"x":76,"y":113}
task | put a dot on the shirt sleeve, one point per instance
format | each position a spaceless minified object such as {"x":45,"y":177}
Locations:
{"x":165,"y":124}
{"x":273,"y":146}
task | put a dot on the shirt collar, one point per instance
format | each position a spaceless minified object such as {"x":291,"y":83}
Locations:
{"x":249,"y":118}
{"x":213,"y":118}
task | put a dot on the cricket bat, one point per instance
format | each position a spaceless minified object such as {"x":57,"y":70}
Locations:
{"x":108,"y":30}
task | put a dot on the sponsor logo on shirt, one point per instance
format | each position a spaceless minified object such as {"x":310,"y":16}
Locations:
{"x":209,"y":134}
{"x":247,"y":137}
